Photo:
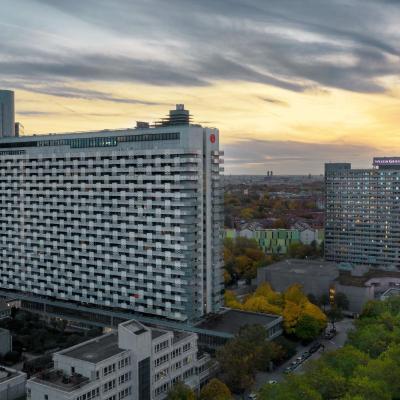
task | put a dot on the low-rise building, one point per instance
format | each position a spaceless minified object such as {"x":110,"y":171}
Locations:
{"x":316,"y":276}
{"x":12,"y":384}
{"x":369,"y":285}
{"x":137,"y":362}
{"x":219,"y":328}
{"x":278,"y":241}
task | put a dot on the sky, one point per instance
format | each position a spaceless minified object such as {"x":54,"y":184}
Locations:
{"x":291,"y":84}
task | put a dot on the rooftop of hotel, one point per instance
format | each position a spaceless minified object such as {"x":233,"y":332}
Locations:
{"x":96,"y":350}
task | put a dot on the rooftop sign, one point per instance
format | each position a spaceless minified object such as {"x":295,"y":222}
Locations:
{"x":386,"y":161}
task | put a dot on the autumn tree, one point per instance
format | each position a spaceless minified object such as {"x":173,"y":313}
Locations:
{"x":215,"y":390}
{"x":181,"y":392}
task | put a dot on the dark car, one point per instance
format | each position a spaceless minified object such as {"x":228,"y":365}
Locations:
{"x":315,"y":347}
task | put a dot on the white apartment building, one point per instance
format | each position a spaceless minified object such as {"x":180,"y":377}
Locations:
{"x":128,"y":219}
{"x":138,"y":363}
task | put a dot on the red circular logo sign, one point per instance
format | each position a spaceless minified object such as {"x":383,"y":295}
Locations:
{"x":212,"y":138}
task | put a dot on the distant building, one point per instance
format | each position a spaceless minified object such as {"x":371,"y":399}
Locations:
{"x":370,"y":284}
{"x":12,"y":384}
{"x":137,"y":363}
{"x":316,"y":276}
{"x":19,"y":129}
{"x":7,"y":113}
{"x":278,"y":241}
{"x":5,"y":342}
{"x":362,"y":213}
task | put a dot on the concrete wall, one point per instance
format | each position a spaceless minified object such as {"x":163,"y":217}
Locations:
{"x":5,"y":342}
{"x":357,"y":296}
{"x":13,"y":388}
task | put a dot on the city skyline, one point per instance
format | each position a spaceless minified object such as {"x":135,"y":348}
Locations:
{"x":289,"y":85}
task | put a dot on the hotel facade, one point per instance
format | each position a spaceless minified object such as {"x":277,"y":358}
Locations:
{"x":128,"y":219}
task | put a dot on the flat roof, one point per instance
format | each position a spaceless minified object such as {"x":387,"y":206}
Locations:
{"x":231,"y":321}
{"x":156,"y":333}
{"x":97,"y":350}
{"x":346,"y":279}
{"x":8,"y":373}
{"x":303,"y":267}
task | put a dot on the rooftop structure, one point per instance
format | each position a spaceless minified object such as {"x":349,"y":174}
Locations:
{"x":7,"y":113}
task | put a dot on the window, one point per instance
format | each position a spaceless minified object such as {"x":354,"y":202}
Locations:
{"x":124,"y":362}
{"x":109,"y":369}
{"x":124,"y":378}
{"x":109,"y":385}
{"x":124,"y":393}
{"x":161,"y":346}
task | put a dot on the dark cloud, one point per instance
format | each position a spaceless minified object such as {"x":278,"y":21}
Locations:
{"x":295,"y":45}
{"x":272,"y":100}
{"x":257,"y":156}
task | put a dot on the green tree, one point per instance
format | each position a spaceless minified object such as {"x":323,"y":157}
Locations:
{"x":181,"y":392}
{"x":215,"y":390}
{"x":341,"y":301}
{"x":367,"y":389}
{"x":346,"y":360}
{"x":334,"y":315}
{"x":326,"y":381}
{"x":242,"y":356}
{"x":307,"y":328}
{"x":294,"y":388}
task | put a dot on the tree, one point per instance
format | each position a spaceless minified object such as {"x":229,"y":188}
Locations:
{"x":294,"y":388}
{"x":326,"y":381}
{"x":181,"y":392}
{"x":242,"y":356}
{"x":215,"y":390}
{"x":307,"y":328}
{"x":324,"y":300}
{"x":362,"y":386}
{"x":334,"y":315}
{"x":341,"y":301}
{"x":346,"y":360}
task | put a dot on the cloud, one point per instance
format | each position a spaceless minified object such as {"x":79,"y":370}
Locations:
{"x":290,"y":44}
{"x":289,"y":157}
{"x":274,"y":101}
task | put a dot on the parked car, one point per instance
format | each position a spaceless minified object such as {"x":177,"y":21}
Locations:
{"x":305,"y":355}
{"x":272,"y":382}
{"x":288,"y":370}
{"x":252,"y":396}
{"x":315,"y":347}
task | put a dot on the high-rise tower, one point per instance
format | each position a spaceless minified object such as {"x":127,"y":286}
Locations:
{"x":362,"y":222}
{"x":118,"y":218}
{"x":7,"y":113}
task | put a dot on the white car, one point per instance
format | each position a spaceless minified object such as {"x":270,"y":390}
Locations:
{"x":252,"y":396}
{"x":272,"y":382}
